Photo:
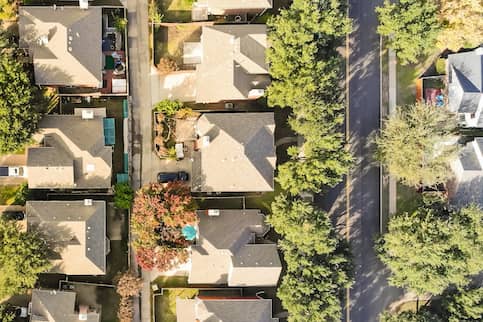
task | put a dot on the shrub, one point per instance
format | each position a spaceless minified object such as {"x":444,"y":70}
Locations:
{"x":168,"y":107}
{"x":123,"y":196}
{"x":166,"y":66}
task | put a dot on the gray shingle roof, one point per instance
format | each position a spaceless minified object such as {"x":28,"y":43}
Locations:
{"x":226,"y":310}
{"x":57,"y":306}
{"x":241,"y":154}
{"x":77,"y":233}
{"x":465,"y":81}
{"x":233,"y":62}
{"x":73,"y":154}
{"x":73,"y":53}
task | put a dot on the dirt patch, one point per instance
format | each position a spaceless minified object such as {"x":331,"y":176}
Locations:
{"x":169,"y":39}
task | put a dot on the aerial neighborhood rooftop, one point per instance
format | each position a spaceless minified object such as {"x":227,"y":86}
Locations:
{"x":240,"y":161}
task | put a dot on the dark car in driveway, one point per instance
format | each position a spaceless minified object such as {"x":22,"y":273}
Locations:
{"x":164,"y":177}
{"x":13,"y":215}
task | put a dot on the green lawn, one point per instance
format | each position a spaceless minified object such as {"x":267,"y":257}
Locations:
{"x":263,"y":202}
{"x":171,"y":281}
{"x":165,"y":305}
{"x":175,"y":10}
{"x":407,"y":76}
{"x":12,"y":195}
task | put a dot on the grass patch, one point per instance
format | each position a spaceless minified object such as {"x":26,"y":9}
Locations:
{"x":171,"y":281}
{"x":165,"y":305}
{"x":168,"y":41}
{"x":408,"y":199}
{"x":175,"y":10}
{"x":13,"y":195}
{"x":407,"y":76}
{"x":264,"y":201}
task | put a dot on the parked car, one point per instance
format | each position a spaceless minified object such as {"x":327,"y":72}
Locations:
{"x":164,"y":177}
{"x":14,"y":215}
{"x":12,"y":172}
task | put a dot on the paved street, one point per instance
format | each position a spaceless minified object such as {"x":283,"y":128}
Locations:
{"x":370,"y":294}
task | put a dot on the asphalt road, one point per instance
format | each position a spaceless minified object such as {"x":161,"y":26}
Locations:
{"x":359,"y":197}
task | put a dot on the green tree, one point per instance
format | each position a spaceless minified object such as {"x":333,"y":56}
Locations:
{"x":313,"y":286}
{"x":303,"y":62}
{"x":463,"y":305}
{"x":6,"y":313}
{"x":168,"y":107}
{"x":423,"y":315}
{"x":313,"y":172}
{"x":433,"y":247}
{"x":302,"y":224}
{"x":318,"y":265}
{"x":415,"y":144}
{"x":412,"y":27}
{"x":123,"y":196}
{"x":8,"y":9}
{"x":22,"y":258}
{"x":18,"y":114}
{"x":462,"y":24}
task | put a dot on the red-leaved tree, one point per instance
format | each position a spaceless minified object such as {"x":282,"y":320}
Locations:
{"x":160,"y":211}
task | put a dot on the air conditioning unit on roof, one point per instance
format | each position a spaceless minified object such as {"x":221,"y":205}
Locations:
{"x":213,"y":212}
{"x":84,"y":4}
{"x":87,"y":114}
{"x":87,"y":202}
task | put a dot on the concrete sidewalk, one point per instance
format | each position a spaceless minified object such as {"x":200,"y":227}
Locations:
{"x":392,"y":109}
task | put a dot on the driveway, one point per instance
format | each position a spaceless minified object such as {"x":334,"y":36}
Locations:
{"x":178,"y":85}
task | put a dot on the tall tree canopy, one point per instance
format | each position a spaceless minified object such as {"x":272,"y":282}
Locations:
{"x":7,"y":314}
{"x":433,"y":247}
{"x":18,"y":114}
{"x":22,"y":257}
{"x":414,"y":144}
{"x":159,"y":214}
{"x":303,"y":62}
{"x":412,"y":27}
{"x":463,"y":305}
{"x":318,"y":268}
{"x":423,"y":315}
{"x":462,"y":24}
{"x":306,"y":72}
{"x":8,"y":9}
